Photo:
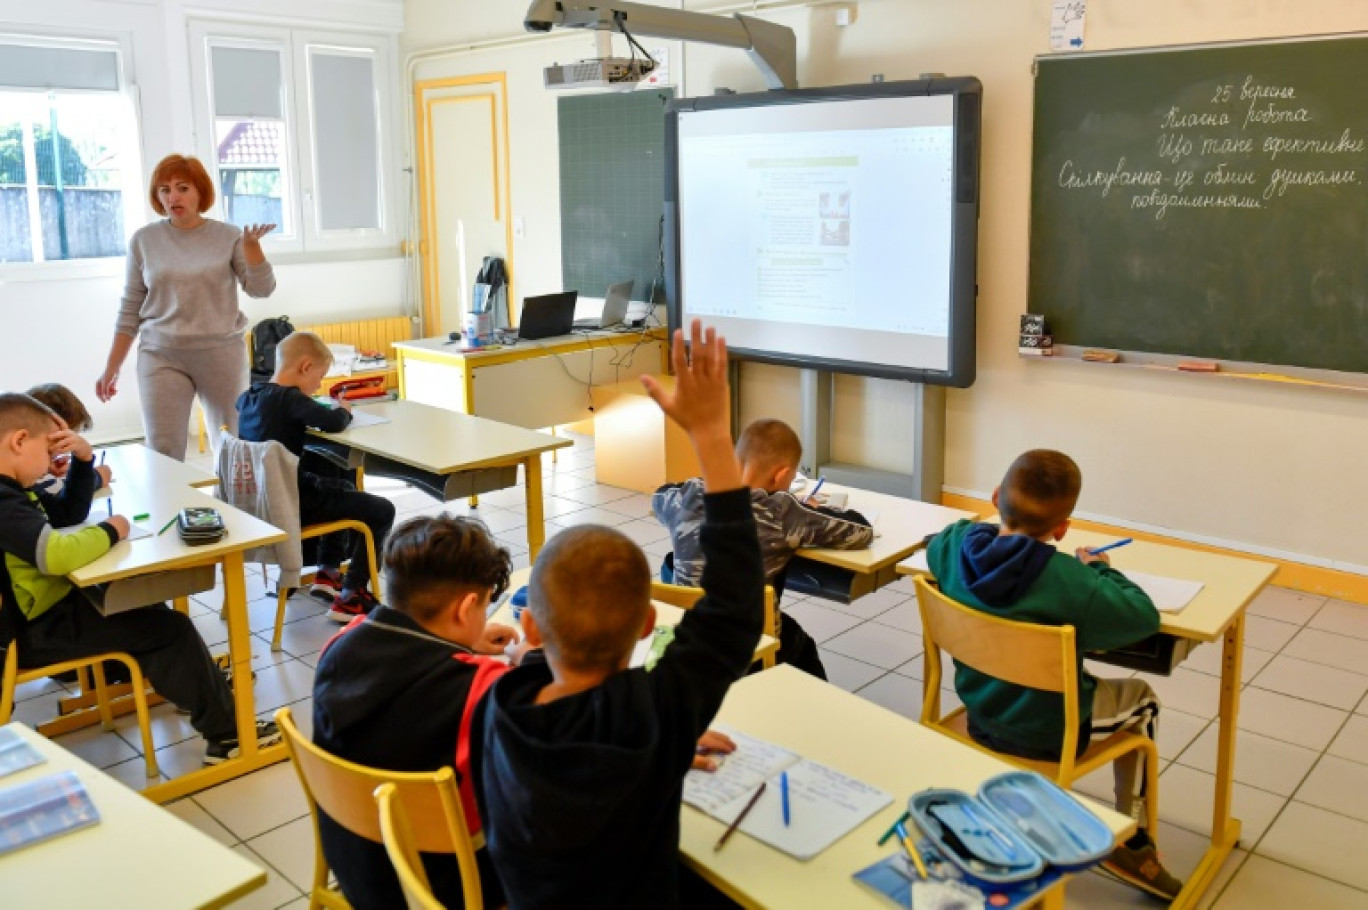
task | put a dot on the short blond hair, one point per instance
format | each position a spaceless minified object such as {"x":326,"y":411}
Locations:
{"x":769,"y":443}
{"x":298,"y":345}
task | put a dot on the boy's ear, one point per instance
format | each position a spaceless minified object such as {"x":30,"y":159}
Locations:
{"x":531,"y":634}
{"x":462,"y":606}
{"x":650,"y":624}
{"x":1061,"y":529}
{"x":995,"y":496}
{"x":783,"y":477}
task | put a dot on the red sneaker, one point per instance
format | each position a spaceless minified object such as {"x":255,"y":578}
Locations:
{"x":350,"y":604}
{"x":327,"y":584}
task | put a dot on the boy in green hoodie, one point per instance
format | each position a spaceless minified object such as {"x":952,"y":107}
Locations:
{"x":1015,"y":572}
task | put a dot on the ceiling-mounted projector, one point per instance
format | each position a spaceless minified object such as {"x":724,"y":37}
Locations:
{"x":603,"y":72}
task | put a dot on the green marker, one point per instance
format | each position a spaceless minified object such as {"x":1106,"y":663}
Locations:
{"x":141,"y":516}
{"x":166,"y":527}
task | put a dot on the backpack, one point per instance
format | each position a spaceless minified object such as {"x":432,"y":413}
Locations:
{"x":266,"y":334}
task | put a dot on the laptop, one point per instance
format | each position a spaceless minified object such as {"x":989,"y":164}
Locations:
{"x":547,"y":316}
{"x":614,"y":308}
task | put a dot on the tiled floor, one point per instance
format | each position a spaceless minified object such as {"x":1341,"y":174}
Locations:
{"x":1302,"y":760}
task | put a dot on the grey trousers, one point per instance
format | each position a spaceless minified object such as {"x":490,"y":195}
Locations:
{"x":170,"y":378}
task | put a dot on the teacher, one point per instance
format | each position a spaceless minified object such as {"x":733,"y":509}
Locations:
{"x":181,"y":294}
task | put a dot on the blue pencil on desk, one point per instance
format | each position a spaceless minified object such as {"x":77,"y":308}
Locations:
{"x":820,"y":481}
{"x":783,"y":795}
{"x":1112,"y":546}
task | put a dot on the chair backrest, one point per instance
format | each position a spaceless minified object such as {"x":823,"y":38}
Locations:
{"x":685,"y":597}
{"x":398,"y":837}
{"x":345,"y":791}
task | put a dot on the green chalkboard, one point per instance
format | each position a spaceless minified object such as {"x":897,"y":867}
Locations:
{"x":1208,"y":201}
{"x":612,"y":171}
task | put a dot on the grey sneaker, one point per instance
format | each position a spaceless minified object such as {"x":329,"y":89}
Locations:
{"x":1140,"y":868}
{"x":220,"y":750}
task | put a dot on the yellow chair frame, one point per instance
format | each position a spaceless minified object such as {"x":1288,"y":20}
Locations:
{"x":346,"y":791}
{"x":685,"y":597}
{"x":398,"y":837}
{"x":1024,"y":654}
{"x":306,"y":532}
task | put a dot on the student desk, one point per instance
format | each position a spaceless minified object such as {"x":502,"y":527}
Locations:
{"x":819,"y":721}
{"x":137,"y":466}
{"x":1217,"y":613}
{"x":162,"y":552}
{"x":138,"y":856}
{"x":450,"y":455}
{"x":666,"y":615}
{"x":901,"y":526}
{"x":531,"y":384}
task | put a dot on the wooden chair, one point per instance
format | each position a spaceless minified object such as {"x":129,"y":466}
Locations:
{"x":685,"y":598}
{"x":346,"y":792}
{"x":408,"y":865}
{"x":13,"y":676}
{"x":1025,"y":654}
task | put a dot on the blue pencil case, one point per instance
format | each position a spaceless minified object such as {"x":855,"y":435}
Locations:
{"x":1017,"y":824}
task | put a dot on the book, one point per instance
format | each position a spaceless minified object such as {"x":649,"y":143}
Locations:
{"x":42,"y":809}
{"x":16,"y":753}
{"x":896,"y":879}
{"x":825,"y":805}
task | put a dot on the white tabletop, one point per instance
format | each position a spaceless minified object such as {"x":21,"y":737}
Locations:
{"x":138,"y":856}
{"x":441,"y":441}
{"x":829,"y":725}
{"x":135,"y":465}
{"x":901,"y":525}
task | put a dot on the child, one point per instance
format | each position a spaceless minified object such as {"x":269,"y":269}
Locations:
{"x":582,"y":762}
{"x":395,"y":690}
{"x":64,"y":403}
{"x":283,"y":410}
{"x":1014,"y":571}
{"x":769,"y":452}
{"x":51,"y":620}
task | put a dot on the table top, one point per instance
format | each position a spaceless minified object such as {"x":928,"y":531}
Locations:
{"x":584,"y":338}
{"x":829,"y":725}
{"x":441,"y":441}
{"x":135,"y":465}
{"x":1229,"y":583}
{"x":901,"y":525}
{"x":138,"y":856}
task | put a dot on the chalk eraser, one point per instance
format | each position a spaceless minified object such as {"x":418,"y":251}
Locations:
{"x":1199,"y":366}
{"x":1098,"y":356}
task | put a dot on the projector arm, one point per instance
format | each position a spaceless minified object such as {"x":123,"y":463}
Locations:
{"x":772,"y":48}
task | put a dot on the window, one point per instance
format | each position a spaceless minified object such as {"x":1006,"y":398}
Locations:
{"x":296,"y":123}
{"x":70,"y":185}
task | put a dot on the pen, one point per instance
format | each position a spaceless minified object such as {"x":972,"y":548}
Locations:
{"x":736,"y":822}
{"x":109,"y":504}
{"x":102,"y":455}
{"x":1112,"y":546}
{"x":165,"y":526}
{"x":820,"y":481}
{"x":911,"y":848}
{"x":141,"y":516}
{"x":783,"y":795}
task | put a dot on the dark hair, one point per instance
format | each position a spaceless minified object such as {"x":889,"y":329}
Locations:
{"x":590,"y":594}
{"x":430,"y":561}
{"x":188,"y":169}
{"x":1039,"y":492}
{"x":22,"y":412}
{"x":770,"y":443}
{"x":64,"y":403}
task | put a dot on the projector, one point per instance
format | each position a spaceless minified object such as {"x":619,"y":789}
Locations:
{"x":604,"y":72}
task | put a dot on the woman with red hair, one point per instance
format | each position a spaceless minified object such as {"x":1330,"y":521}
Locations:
{"x":181,"y":296}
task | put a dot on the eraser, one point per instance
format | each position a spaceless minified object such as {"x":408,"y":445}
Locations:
{"x":1036,"y":352}
{"x":1097,"y":356}
{"x":1199,"y":366}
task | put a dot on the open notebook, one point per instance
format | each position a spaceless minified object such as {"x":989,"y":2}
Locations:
{"x":824,"y":804}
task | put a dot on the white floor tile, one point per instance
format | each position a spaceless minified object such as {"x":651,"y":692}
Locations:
{"x":896,"y":693}
{"x":878,"y":645}
{"x":289,"y":849}
{"x":1260,"y":761}
{"x":594,"y":494}
{"x":562,"y":482}
{"x":1312,"y":682}
{"x":846,"y":672}
{"x":304,"y":637}
{"x":1268,"y":634}
{"x":275,"y":893}
{"x":1181,"y":849}
{"x":1177,"y":731}
{"x":1188,"y":691}
{"x":191,"y":812}
{"x":1264,"y":883}
{"x":257,"y":803}
{"x":38,"y":709}
{"x":213,"y":630}
{"x":181,"y":758}
{"x":1207,"y":659}
{"x":1338,"y":785}
{"x":658,"y":548}
{"x":1329,"y":649}
{"x":1286,"y":605}
{"x":556,"y":506}
{"x":45,"y":686}
{"x":1352,"y":741}
{"x":283,"y":684}
{"x":1343,"y":618}
{"x":96,"y":746}
{"x":1289,"y":719}
{"x":870,"y":605}
{"x":903,"y":616}
{"x":644,"y":531}
{"x":1323,"y":843}
{"x":1186,"y":798}
{"x":500,"y":520}
{"x":593,"y":515}
{"x":169,"y":726}
{"x":637,"y":505}
{"x":821,"y":622}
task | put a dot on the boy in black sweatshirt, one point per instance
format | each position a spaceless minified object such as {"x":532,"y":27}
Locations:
{"x":396,"y":689}
{"x":583,"y":760}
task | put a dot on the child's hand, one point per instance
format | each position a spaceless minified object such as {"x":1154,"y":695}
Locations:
{"x":60,"y":465}
{"x":497,"y":637}
{"x":709,"y":744}
{"x":65,"y":441}
{"x":120,"y":524}
{"x":345,"y":405}
{"x":1086,"y":556}
{"x":701,"y":401}
{"x":106,"y":474}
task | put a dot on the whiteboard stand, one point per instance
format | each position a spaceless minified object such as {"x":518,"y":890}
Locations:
{"x":928,"y":451}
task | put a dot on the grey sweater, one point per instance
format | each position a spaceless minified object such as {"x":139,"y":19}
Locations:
{"x":181,"y":289}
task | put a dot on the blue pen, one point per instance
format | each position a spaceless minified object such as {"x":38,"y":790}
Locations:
{"x":783,"y":795}
{"x":820,"y":481}
{"x":1112,"y":546}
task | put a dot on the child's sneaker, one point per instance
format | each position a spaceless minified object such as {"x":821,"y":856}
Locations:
{"x":350,"y":604}
{"x":220,"y":750}
{"x":327,"y":584}
{"x":1140,"y":868}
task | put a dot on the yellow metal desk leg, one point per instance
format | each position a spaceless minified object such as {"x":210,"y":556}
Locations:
{"x":240,"y":650}
{"x":536,"y":527}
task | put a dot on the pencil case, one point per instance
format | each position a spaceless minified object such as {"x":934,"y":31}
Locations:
{"x":1017,"y":824}
{"x":199,"y":525}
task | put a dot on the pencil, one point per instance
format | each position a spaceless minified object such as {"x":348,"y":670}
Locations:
{"x":911,"y":849}
{"x":166,"y":526}
{"x":820,"y":481}
{"x":783,"y":792}
{"x":736,"y":822}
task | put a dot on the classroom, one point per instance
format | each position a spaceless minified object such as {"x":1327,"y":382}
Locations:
{"x":383,"y":218}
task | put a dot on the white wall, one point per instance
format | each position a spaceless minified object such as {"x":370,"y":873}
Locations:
{"x":59,"y":329}
{"x":1265,"y":468}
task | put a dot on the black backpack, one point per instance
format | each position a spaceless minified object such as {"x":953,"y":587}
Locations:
{"x":266,"y":334}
